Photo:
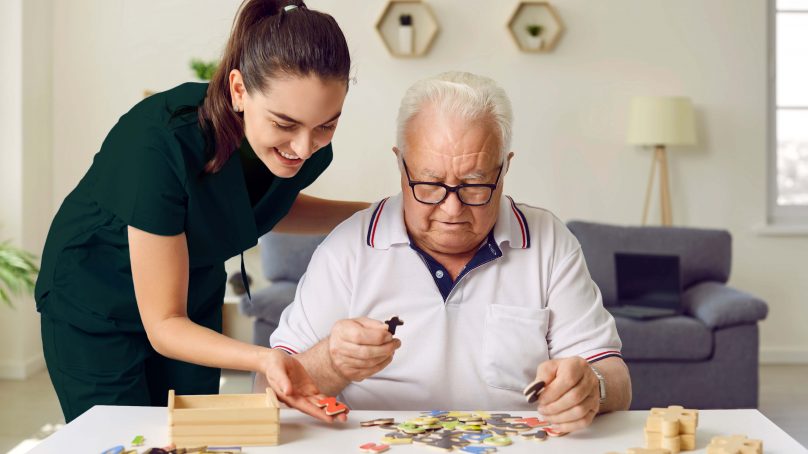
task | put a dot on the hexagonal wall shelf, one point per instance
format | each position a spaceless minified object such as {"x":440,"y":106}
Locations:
{"x":407,"y":28}
{"x":530,"y":17}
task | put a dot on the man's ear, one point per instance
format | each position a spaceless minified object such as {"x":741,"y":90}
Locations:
{"x":396,"y":151}
{"x":508,"y":161}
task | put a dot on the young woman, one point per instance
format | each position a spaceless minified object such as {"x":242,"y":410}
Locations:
{"x":133,"y":278}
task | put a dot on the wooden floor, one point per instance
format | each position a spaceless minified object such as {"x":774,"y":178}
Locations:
{"x":30,"y":411}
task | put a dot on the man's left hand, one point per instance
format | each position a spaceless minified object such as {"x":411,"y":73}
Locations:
{"x":571,"y":396}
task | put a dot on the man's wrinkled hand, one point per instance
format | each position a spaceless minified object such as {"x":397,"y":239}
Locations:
{"x":571,"y":396}
{"x":360,"y":347}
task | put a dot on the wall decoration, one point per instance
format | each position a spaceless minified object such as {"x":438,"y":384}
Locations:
{"x":535,"y":26}
{"x":407,"y":28}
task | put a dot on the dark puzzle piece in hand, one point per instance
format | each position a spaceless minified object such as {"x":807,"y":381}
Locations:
{"x":532,"y":391}
{"x":393,"y":323}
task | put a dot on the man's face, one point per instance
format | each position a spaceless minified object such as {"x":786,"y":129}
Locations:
{"x":446,"y":149}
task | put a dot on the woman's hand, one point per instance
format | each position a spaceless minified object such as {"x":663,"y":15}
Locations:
{"x":293,"y":385}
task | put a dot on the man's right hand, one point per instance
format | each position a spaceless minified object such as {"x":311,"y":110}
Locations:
{"x":360,"y":347}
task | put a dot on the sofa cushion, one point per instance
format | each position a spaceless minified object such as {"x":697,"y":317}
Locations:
{"x":704,"y":254}
{"x":719,"y":306}
{"x":669,"y":338}
{"x":285,"y":256}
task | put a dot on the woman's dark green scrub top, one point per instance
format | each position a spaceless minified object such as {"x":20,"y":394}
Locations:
{"x":150,"y":174}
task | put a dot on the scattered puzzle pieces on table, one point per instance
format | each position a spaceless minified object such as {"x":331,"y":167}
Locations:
{"x":672,"y":428}
{"x":734,"y":444}
{"x":393,"y":323}
{"x":332,"y":406}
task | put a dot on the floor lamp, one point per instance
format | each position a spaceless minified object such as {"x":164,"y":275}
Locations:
{"x":660,"y":121}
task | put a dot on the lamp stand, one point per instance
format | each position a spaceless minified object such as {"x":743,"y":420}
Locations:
{"x":664,"y":188}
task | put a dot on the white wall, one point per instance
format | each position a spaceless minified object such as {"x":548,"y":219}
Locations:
{"x":570,"y":107}
{"x":26,"y":189}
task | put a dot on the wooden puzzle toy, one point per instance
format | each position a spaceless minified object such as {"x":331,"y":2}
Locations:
{"x":332,"y":406}
{"x":377,"y":422}
{"x":397,"y":438}
{"x":373,"y":447}
{"x":538,"y":435}
{"x":393,"y":323}
{"x":223,"y":419}
{"x":672,"y":428}
{"x":532,"y":391}
{"x":138,"y":440}
{"x":734,"y":444}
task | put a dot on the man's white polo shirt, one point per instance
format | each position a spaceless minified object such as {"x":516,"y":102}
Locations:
{"x":527,"y":296}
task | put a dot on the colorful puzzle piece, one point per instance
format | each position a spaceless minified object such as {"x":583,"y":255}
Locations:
{"x":498,"y":441}
{"x":397,"y":438}
{"x":373,"y":447}
{"x":393,"y":323}
{"x":476,"y":449}
{"x":735,"y":444}
{"x":377,"y":422}
{"x":332,"y":406}
{"x":538,"y":435}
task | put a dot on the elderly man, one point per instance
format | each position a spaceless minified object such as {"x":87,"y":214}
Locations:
{"x":493,"y":294}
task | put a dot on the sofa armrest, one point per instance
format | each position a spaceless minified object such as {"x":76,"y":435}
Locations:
{"x":268,"y":303}
{"x":719,"y":306}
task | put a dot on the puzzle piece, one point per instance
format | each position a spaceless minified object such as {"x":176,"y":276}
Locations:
{"x":533,"y":390}
{"x":377,"y":422}
{"x":393,"y":323}
{"x":332,"y":406}
{"x":672,"y":428}
{"x":533,"y":422}
{"x":476,"y":449}
{"x":114,"y":450}
{"x":538,"y":435}
{"x":446,"y":444}
{"x":373,"y":447}
{"x":410,"y":428}
{"x":554,"y":432}
{"x":434,"y":413}
{"x":138,"y":440}
{"x":735,"y":444}
{"x":476,"y":438}
{"x":498,"y":441}
{"x":397,"y":438}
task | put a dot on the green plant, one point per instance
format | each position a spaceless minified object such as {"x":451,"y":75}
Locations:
{"x":204,"y":70}
{"x":17,"y":272}
{"x":534,"y":29}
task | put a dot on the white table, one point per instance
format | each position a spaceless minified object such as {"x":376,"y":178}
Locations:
{"x":104,"y":427}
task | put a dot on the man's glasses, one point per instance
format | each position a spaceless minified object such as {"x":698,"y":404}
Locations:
{"x":469,"y":194}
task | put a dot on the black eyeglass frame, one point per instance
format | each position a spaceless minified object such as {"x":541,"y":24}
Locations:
{"x":455,"y":189}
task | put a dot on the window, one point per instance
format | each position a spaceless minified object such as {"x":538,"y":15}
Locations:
{"x":788,"y":112}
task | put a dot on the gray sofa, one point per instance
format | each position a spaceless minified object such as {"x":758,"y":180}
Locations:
{"x":284,"y":258}
{"x":705,"y":358}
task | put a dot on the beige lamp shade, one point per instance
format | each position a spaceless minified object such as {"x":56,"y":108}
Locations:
{"x":661,"y":120}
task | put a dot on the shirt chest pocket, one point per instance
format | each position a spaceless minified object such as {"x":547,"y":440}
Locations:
{"x":514,"y":344}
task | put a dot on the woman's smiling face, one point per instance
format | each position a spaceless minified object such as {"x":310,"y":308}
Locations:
{"x":290,"y":120}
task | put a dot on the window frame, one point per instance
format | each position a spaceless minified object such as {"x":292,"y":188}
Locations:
{"x":777,"y":215}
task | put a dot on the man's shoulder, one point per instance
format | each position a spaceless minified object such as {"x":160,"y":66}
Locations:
{"x":351,"y":233}
{"x":547,"y":229}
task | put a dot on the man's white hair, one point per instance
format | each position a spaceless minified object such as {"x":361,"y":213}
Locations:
{"x":470,"y":96}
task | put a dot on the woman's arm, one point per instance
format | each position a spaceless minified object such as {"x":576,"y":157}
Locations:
{"x":160,"y":274}
{"x":313,"y":215}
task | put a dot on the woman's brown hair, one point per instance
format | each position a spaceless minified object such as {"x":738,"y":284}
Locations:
{"x":268,"y":40}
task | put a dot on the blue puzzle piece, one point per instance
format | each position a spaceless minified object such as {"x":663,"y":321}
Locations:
{"x":478,"y":449}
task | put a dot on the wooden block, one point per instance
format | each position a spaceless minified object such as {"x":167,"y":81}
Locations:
{"x":228,"y":419}
{"x":734,"y":444}
{"x":672,"y":444}
{"x":647,"y":451}
{"x":688,"y":419}
{"x":687,"y":442}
